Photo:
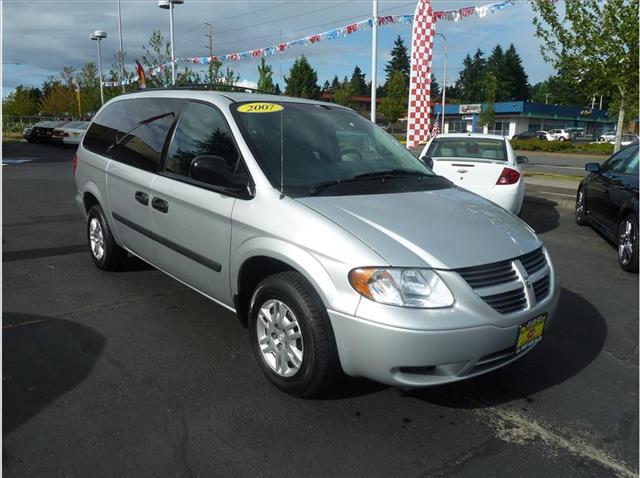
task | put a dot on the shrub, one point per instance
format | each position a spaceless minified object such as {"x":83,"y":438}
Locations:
{"x":561,"y":146}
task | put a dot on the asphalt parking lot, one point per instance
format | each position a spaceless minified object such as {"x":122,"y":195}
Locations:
{"x":133,"y":374}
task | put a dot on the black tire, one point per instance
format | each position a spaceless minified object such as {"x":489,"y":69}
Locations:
{"x":581,"y":208}
{"x":319,"y":367}
{"x":562,"y":140}
{"x":31,"y":140}
{"x":628,"y":261}
{"x":113,"y":256}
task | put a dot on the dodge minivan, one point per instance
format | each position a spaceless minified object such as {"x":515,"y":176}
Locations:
{"x":336,"y":247}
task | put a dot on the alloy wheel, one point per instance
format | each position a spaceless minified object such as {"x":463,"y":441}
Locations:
{"x":626,"y":239}
{"x":96,"y":238}
{"x":280,"y":338}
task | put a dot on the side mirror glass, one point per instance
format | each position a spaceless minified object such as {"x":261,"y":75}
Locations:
{"x":212,"y":170}
{"x":522,"y":159}
{"x":592,"y":167}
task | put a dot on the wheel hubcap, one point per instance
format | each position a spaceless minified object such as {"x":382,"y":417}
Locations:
{"x":625,"y":242}
{"x":96,"y":238}
{"x":280,"y":338}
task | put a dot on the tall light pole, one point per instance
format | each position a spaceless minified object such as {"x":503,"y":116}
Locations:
{"x":98,"y":35}
{"x":374,"y":60}
{"x":170,"y":5}
{"x":121,"y":48}
{"x":444,"y":79}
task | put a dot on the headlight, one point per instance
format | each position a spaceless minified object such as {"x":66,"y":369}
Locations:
{"x":421,"y":288}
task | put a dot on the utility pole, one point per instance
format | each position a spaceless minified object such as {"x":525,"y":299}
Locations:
{"x":374,"y":60}
{"x":546,"y":98}
{"x":600,"y":102}
{"x":210,"y":48}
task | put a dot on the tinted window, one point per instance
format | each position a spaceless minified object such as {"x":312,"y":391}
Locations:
{"x":618,"y":161}
{"x":468,"y":148}
{"x":202,"y":131}
{"x":133,"y":131}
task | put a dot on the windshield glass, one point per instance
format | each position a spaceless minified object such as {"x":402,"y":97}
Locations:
{"x":321,"y":144}
{"x":468,"y":148}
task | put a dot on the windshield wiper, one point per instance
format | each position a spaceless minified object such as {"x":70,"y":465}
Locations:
{"x":140,"y":123}
{"x":388,"y":174}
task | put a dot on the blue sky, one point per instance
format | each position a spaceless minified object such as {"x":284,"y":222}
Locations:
{"x":45,"y":35}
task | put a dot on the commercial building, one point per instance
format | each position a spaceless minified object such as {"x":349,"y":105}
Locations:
{"x":515,"y":117}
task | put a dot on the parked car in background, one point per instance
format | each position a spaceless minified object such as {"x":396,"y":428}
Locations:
{"x":626,"y":139}
{"x":70,"y":133}
{"x":607,"y":199}
{"x":27,"y":134}
{"x":73,"y":135}
{"x":339,"y":254}
{"x":544,"y":135}
{"x":560,"y":135}
{"x":530,"y":135}
{"x":43,"y":132}
{"x":607,"y":136}
{"x":576,"y":132}
{"x":484,"y":164}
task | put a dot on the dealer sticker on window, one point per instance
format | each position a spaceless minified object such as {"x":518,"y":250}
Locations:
{"x":260,"y":108}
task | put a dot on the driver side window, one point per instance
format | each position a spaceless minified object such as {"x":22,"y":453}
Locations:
{"x":202,"y":132}
{"x":618,"y":162}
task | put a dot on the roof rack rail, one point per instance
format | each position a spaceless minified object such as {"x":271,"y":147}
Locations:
{"x":210,"y":86}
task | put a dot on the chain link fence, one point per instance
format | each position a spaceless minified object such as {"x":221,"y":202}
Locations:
{"x":15,"y":124}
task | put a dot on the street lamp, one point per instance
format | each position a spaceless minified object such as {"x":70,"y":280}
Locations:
{"x":444,"y":79}
{"x":98,"y":35}
{"x":170,"y":5}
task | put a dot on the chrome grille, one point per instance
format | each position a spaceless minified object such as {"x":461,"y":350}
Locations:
{"x":488,"y":275}
{"x":534,"y":261}
{"x":507,"y":302}
{"x":541,"y":288}
{"x":512,"y":285}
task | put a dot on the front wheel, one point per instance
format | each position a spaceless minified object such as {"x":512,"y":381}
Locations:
{"x":581,"y":209}
{"x":291,"y":336}
{"x":628,"y":243}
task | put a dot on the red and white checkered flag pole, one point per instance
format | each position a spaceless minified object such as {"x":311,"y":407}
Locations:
{"x":424,"y":29}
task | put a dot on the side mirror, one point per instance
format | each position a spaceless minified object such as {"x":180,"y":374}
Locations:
{"x":522,"y":159}
{"x":213,"y":170}
{"x":592,"y":167}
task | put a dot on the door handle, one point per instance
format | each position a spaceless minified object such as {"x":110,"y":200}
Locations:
{"x":142,"y":198}
{"x":160,"y":205}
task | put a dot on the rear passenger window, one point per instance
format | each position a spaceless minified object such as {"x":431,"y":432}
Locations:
{"x":203,"y":132}
{"x":133,"y":131}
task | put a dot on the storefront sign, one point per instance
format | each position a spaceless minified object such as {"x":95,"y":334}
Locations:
{"x":470,"y":109}
{"x":467,"y":118}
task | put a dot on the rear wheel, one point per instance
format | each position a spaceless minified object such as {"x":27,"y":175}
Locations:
{"x":106,"y":254}
{"x":291,"y":336}
{"x":628,"y":243}
{"x":581,"y":209}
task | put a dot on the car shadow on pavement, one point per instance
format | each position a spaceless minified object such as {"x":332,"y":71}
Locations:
{"x":42,"y":359}
{"x":540,"y":213}
{"x":573,"y":341}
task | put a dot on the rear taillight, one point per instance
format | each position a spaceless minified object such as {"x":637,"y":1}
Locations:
{"x":508,"y":176}
{"x":66,"y":135}
{"x":75,"y":163}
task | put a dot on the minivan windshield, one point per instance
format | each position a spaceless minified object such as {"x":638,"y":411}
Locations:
{"x":326,"y":149}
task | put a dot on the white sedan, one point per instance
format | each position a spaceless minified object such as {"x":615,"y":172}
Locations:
{"x":71,"y":133}
{"x":483,"y":164}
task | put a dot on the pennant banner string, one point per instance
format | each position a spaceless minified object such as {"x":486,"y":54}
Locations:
{"x":445,"y":15}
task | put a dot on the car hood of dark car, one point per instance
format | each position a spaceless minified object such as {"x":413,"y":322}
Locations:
{"x":444,"y":229}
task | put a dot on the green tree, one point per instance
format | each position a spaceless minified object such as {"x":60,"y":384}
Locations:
{"x":399,"y":61}
{"x":394,"y":104}
{"x":435,"y":88}
{"x":495,"y":65}
{"x":326,"y":87}
{"x":302,"y":81}
{"x":561,"y":89}
{"x":89,"y":88}
{"x":277,"y":89}
{"x":358,"y":83}
{"x":60,"y":100}
{"x":487,"y":115}
{"x":265,"y":76}
{"x":596,"y":41}
{"x":335,"y":83}
{"x":157,"y":52}
{"x":518,"y":80}
{"x":469,"y":83}
{"x":343,"y":95}
{"x":23,"y":101}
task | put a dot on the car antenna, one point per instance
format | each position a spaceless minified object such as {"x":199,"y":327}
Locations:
{"x":281,"y":128}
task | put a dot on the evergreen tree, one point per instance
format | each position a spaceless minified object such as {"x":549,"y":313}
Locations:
{"x":326,"y":87}
{"x":303,"y":80}
{"x":518,"y":79}
{"x":487,"y":115}
{"x":394,"y":104}
{"x":399,"y":60}
{"x":277,"y":90}
{"x":335,"y":83}
{"x":470,"y":80}
{"x":265,"y":76}
{"x":343,"y":95}
{"x":495,"y":66}
{"x":435,"y":88}
{"x":23,"y":101}
{"x":358,"y":83}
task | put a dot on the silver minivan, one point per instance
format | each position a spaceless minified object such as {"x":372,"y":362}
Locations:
{"x":336,"y":247}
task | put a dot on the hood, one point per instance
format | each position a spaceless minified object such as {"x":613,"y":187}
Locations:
{"x":444,"y":229}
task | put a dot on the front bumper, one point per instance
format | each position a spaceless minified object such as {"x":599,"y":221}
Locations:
{"x":396,"y":346}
